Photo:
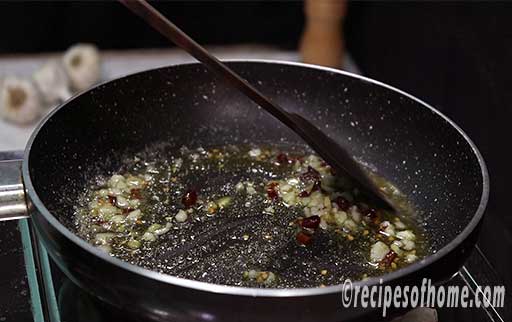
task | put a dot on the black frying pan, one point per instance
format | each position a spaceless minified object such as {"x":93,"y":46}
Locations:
{"x":426,"y":155}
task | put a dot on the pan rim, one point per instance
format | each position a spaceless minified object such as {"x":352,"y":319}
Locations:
{"x":257,"y":292}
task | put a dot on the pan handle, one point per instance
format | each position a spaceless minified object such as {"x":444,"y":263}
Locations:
{"x":13,"y":204}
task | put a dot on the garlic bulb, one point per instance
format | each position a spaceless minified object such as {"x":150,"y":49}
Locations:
{"x":82,"y":65}
{"x":53,"y":82}
{"x":20,"y":101}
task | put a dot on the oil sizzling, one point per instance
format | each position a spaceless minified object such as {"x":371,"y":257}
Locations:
{"x":222,"y":246}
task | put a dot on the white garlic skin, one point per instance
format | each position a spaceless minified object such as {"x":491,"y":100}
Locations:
{"x":53,"y":82}
{"x":82,"y":65}
{"x":20,"y":101}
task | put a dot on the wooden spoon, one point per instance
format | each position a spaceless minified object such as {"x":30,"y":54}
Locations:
{"x":334,"y":154}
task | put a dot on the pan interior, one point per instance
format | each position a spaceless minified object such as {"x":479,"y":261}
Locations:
{"x":252,"y":232}
{"x":407,"y":143}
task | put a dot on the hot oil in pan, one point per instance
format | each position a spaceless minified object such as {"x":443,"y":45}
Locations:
{"x":263,"y":216}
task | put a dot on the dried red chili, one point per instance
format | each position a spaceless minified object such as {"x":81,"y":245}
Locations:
{"x":189,"y":198}
{"x":304,"y":194}
{"x":317,"y":186}
{"x":310,"y":175}
{"x":271,"y":190}
{"x":303,"y":238}
{"x":372,"y":214}
{"x":282,"y":158}
{"x":342,"y":203}
{"x":311,"y":222}
{"x":388,"y":259}
{"x":135,"y":194}
{"x":112,"y":200}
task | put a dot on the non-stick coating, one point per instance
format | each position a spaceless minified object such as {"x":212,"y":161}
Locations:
{"x":402,"y":140}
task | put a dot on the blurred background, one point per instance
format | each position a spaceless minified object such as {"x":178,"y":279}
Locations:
{"x":455,"y":56}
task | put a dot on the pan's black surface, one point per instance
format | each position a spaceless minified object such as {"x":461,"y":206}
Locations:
{"x":407,"y":142}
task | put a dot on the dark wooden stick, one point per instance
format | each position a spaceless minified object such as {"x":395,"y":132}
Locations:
{"x":335,"y":155}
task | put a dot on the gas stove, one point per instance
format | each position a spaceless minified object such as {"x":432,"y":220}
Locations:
{"x":38,"y":290}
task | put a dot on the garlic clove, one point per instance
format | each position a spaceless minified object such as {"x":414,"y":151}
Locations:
{"x":82,"y":65}
{"x":20,"y":101}
{"x":53,"y":82}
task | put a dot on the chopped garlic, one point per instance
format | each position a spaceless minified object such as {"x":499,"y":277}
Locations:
{"x":285,"y":187}
{"x":163,"y":230}
{"x":406,"y":234}
{"x":394,"y":247}
{"x":181,"y":216}
{"x":239,"y":186}
{"x":106,"y":211}
{"x":134,"y":182}
{"x":271,"y":277}
{"x":154,"y":227}
{"x":114,"y":192}
{"x":408,"y":244}
{"x":255,"y":153}
{"x":327,"y":202}
{"x":411,"y":258}
{"x":148,"y":237}
{"x":399,"y":225}
{"x":223,"y":202}
{"x":103,"y":192}
{"x":387,"y":228}
{"x":115,"y":179}
{"x":250,"y":188}
{"x":378,"y":251}
{"x":117,"y":219}
{"x":134,"y":203}
{"x":121,"y":202}
{"x":339,"y":218}
{"x":350,"y":224}
{"x":104,"y":238}
{"x":134,"y":215}
{"x":289,"y":199}
{"x":269,"y":210}
{"x":133,"y":244}
{"x":355,"y":214}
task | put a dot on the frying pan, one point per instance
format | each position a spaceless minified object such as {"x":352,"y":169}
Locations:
{"x":402,"y":138}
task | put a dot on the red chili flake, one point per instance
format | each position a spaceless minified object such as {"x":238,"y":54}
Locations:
{"x":135,"y":194}
{"x":271,"y":190}
{"x":304,"y":194}
{"x":388,"y":259}
{"x":372,"y":214}
{"x":303,"y":238}
{"x":317,"y":186}
{"x":189,"y":198}
{"x":282,"y":158}
{"x":342,"y":203}
{"x":310,"y":175}
{"x":112,"y":200}
{"x":311,"y":222}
